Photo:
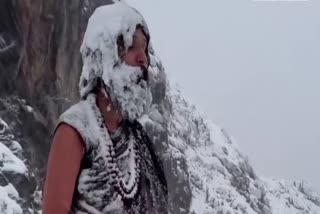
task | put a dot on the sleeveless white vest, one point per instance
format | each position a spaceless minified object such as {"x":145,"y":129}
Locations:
{"x":94,"y":194}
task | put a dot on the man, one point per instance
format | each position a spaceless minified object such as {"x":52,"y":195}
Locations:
{"x":101,"y":160}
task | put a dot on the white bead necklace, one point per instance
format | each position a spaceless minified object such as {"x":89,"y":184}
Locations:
{"x":127,"y":189}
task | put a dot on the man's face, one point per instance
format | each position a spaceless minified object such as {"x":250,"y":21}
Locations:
{"x":127,"y":82}
{"x":136,"y":54}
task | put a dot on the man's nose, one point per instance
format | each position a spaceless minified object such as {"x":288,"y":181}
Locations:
{"x":141,"y":58}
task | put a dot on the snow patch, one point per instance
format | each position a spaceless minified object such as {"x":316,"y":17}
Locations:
{"x":10,"y":162}
{"x":7,"y":204}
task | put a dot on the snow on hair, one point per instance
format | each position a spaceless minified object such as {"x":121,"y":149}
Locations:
{"x":99,"y":48}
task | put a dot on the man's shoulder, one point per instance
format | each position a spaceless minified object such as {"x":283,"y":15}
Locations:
{"x":67,"y":132}
{"x":75,"y":112}
{"x":75,"y":108}
{"x":75,"y":116}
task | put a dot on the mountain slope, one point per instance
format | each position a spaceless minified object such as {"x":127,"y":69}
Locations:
{"x":291,"y":197}
{"x":205,"y":169}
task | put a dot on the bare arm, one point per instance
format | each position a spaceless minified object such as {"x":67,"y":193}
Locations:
{"x":63,"y":167}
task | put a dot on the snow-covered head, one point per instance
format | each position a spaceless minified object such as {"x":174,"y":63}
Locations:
{"x":110,"y":36}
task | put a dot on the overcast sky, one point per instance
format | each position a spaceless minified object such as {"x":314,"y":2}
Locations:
{"x":253,"y":67}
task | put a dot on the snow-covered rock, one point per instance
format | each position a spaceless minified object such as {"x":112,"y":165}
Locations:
{"x":18,"y":192}
{"x":10,"y":164}
{"x":205,"y":169}
{"x":289,"y":197}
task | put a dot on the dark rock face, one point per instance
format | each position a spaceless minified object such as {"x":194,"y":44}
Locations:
{"x":178,"y":186}
{"x":39,"y":57}
{"x":40,"y":65}
{"x":9,"y":45}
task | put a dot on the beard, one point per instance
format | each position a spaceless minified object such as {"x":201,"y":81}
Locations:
{"x":127,"y":88}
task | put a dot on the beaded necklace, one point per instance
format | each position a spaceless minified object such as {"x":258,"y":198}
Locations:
{"x":126,"y":189}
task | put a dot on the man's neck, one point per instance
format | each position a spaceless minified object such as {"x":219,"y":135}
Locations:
{"x":112,"y":117}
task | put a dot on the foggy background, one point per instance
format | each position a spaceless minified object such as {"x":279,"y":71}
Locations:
{"x":253,"y":67}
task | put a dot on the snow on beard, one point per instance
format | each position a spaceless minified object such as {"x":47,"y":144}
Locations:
{"x":128,"y":90}
{"x":101,"y":60}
